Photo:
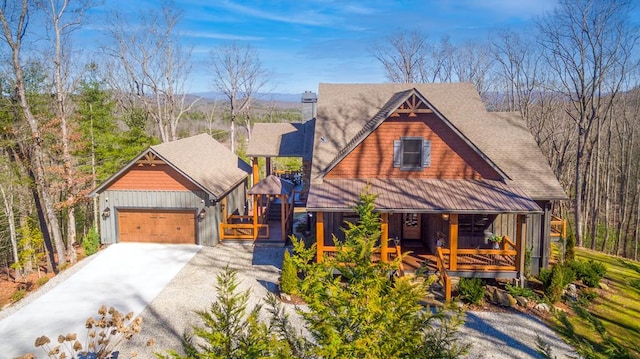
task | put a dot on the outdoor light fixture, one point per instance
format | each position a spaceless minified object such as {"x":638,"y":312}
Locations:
{"x":106,"y":212}
{"x":445,"y":216}
{"x":202,"y":214}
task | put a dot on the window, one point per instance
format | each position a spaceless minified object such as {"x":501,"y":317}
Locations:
{"x":411,"y":153}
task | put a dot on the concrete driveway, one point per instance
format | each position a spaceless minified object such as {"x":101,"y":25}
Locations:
{"x":126,"y":276}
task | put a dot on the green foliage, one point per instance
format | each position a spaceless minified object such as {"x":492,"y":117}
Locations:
{"x":555,"y":280}
{"x":91,"y":242}
{"x":228,"y":330}
{"x":517,"y":291}
{"x":42,"y":281}
{"x":471,"y":290}
{"x":570,"y":252}
{"x":30,"y":247}
{"x":590,"y":272}
{"x":586,"y":296}
{"x":635,"y":283}
{"x":292,"y":164}
{"x":18,"y":294}
{"x":358,"y":308}
{"x":101,"y":133}
{"x":527,"y":261}
{"x":289,"y":281}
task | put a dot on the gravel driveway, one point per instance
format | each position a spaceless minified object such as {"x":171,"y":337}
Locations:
{"x":492,"y":335}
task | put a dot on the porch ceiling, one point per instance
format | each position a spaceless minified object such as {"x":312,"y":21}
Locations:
{"x":424,"y":196}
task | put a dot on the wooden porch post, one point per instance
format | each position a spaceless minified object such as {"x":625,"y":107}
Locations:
{"x":255,"y":215}
{"x":319,"y":236}
{"x":384,"y":238}
{"x":283,"y":210}
{"x":256,"y":171}
{"x":453,"y":241}
{"x":447,"y":289}
{"x":521,"y":236}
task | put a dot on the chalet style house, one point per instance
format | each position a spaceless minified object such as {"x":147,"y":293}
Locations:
{"x":449,"y":176}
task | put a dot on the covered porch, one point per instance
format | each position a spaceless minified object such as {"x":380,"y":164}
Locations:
{"x":272,"y":194}
{"x":440,"y":226}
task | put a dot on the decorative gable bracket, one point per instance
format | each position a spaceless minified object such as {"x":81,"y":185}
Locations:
{"x":149,"y":159}
{"x":413,"y":106}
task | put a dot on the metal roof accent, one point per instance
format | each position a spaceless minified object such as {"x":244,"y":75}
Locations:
{"x":422,"y":195}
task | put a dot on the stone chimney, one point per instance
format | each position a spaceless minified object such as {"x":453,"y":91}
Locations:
{"x":309,"y":105}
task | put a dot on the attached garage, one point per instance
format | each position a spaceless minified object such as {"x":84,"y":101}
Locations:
{"x":173,"y":193}
{"x":157,"y":226}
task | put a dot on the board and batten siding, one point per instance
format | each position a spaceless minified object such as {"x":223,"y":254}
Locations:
{"x":207,"y":230}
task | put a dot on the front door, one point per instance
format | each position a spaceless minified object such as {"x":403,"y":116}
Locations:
{"x":411,"y":226}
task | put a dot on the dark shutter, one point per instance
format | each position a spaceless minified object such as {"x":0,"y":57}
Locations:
{"x":397,"y":153}
{"x":426,"y":153}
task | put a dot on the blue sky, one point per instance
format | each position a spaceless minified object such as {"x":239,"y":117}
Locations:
{"x":303,"y":43}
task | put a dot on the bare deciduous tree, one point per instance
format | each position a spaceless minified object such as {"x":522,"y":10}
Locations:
{"x":239,"y":75}
{"x":588,"y":47}
{"x":151,"y":68}
{"x":403,"y":56}
{"x":14,"y":21}
{"x":64,"y":18}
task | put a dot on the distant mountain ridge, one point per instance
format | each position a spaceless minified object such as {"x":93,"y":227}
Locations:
{"x":275,"y":97}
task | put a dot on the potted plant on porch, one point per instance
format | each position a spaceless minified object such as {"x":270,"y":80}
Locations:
{"x":495,"y":241}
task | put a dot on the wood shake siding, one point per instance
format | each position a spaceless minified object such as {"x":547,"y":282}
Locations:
{"x":451,"y":157}
{"x":153,"y":178}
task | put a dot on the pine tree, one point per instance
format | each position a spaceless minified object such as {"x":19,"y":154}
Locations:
{"x":365,"y":311}
{"x":289,"y":276}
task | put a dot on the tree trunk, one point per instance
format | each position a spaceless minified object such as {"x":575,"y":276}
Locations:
{"x":13,"y":236}
{"x":36,"y":154}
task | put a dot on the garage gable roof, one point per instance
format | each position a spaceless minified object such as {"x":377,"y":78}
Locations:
{"x":201,"y":159}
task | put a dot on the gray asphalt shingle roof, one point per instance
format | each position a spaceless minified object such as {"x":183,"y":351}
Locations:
{"x":281,"y":140}
{"x":206,"y":162}
{"x":203,"y":160}
{"x":345,"y":110}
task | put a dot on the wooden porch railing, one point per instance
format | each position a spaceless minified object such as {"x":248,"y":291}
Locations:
{"x":444,"y":275}
{"x":241,"y":227}
{"x":558,"y":227}
{"x":387,"y":255}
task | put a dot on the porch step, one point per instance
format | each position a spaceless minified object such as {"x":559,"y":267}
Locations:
{"x":269,"y":243}
{"x":274,"y":212}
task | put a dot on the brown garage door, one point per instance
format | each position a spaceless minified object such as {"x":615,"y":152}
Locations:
{"x":156,"y":226}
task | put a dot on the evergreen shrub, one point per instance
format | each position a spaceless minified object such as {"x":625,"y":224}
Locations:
{"x":91,"y":242}
{"x":289,"y":275}
{"x":590,"y":272}
{"x":555,"y":280}
{"x":471,"y":290}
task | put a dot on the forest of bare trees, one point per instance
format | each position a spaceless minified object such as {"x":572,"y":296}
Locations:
{"x":69,"y":124}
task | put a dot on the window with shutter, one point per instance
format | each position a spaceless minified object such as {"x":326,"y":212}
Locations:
{"x":411,"y":153}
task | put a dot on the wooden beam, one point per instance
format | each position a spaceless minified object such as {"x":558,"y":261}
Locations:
{"x":384,"y":238}
{"x":267,"y":170}
{"x":319,"y":236}
{"x":521,"y":236}
{"x":256,"y":171}
{"x":447,"y":289}
{"x":453,"y":241}
{"x":283,"y":215}
{"x":256,"y":207}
